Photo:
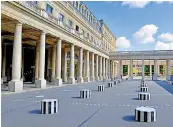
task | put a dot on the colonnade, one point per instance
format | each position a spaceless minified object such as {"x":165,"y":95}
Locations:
{"x":168,"y":68}
{"x":99,"y":65}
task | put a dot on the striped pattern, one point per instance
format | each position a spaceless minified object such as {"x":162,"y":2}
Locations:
{"x":115,"y":82}
{"x":144,"y":96}
{"x":145,"y":114}
{"x":85,"y":93}
{"x":144,"y":85}
{"x":110,"y":84}
{"x":144,"y":89}
{"x":49,"y":106}
{"x":101,"y":88}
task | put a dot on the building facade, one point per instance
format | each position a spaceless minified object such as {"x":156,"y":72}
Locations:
{"x":53,"y":41}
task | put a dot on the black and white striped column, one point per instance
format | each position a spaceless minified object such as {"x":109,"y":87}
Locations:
{"x":115,"y":82}
{"x":49,"y":106}
{"x":145,"y":114}
{"x":144,"y":89}
{"x":110,"y":84}
{"x":85,"y":93}
{"x":101,"y":88}
{"x":144,"y":85}
{"x":144,"y":96}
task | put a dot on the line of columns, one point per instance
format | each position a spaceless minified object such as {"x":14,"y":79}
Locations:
{"x":130,"y":69}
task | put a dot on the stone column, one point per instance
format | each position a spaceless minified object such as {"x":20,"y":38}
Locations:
{"x":113,"y":72}
{"x":58,"y":80}
{"x":111,"y":68}
{"x":87,"y":78}
{"x":97,"y":67}
{"x":106,"y":68}
{"x":16,"y":84}
{"x":158,"y":70}
{"x":65,"y":66}
{"x":4,"y":64}
{"x":155,"y":70}
{"x":80,"y":78}
{"x":53,"y":62}
{"x":48,"y":64}
{"x":101,"y":74}
{"x":41,"y":82}
{"x":120,"y":68}
{"x":103,"y":68}
{"x":143,"y":69}
{"x":1,"y":59}
{"x":37,"y":59}
{"x":135,"y":70}
{"x":131,"y":68}
{"x":150,"y":70}
{"x":168,"y":69}
{"x":92,"y":67}
{"x":71,"y":78}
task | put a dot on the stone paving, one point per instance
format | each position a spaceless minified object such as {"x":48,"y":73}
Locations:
{"x":113,"y":107}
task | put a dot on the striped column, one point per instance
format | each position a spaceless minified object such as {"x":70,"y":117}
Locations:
{"x":49,"y":106}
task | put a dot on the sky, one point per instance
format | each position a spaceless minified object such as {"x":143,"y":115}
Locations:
{"x":137,"y":26}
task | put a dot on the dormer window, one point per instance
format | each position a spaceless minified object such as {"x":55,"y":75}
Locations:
{"x":77,"y":28}
{"x":61,"y":17}
{"x":49,"y":9}
{"x":70,"y":23}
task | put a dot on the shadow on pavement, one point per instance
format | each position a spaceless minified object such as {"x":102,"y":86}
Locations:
{"x":135,"y":98}
{"x":130,"y":118}
{"x":137,"y":91}
{"x":76,"y":97}
{"x":37,"y":111}
{"x":166,"y":86}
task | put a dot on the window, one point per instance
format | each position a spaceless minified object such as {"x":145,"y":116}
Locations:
{"x":49,"y":9}
{"x":77,"y":28}
{"x":83,"y":32}
{"x":70,"y":23}
{"x":34,"y":2}
{"x":61,"y":17}
{"x":82,"y":10}
{"x":88,"y":35}
{"x":91,"y":38}
{"x":77,"y":5}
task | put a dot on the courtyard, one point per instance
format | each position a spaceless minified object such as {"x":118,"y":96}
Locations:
{"x":113,"y":107}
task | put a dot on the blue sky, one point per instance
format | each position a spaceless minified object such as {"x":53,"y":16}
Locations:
{"x":137,"y":25}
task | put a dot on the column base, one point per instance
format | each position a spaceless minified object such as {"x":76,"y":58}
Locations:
{"x":57,"y":82}
{"x":1,"y":81}
{"x":168,"y":77}
{"x":92,"y":78}
{"x":101,"y":78}
{"x":4,"y":79}
{"x":106,"y":77}
{"x":15,"y":86}
{"x":40,"y":83}
{"x":87,"y":79}
{"x":71,"y":80}
{"x":97,"y":78}
{"x":65,"y":79}
{"x":80,"y":79}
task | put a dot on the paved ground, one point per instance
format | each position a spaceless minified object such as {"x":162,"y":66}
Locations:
{"x":114,"y":107}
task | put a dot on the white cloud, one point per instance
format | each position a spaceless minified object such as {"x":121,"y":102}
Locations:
{"x":163,"y":46}
{"x":135,"y":4}
{"x":166,"y":37}
{"x":141,"y":4}
{"x":122,"y":43}
{"x":158,"y":2}
{"x":145,"y":34}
